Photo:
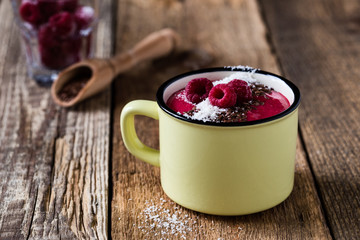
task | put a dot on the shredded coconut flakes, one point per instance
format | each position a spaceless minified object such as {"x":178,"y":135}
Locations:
{"x":174,"y":222}
{"x":240,"y":67}
{"x":205,"y":111}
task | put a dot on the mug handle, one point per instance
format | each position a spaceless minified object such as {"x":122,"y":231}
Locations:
{"x":130,"y":138}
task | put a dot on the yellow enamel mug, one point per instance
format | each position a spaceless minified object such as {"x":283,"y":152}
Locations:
{"x":219,"y":168}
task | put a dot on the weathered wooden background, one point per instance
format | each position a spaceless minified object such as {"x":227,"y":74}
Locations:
{"x":65,"y":173}
{"x":54,"y":162}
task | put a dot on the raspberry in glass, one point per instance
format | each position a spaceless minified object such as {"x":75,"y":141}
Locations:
{"x":68,"y":5}
{"x":29,"y":11}
{"x":84,"y":15}
{"x":63,"y":24}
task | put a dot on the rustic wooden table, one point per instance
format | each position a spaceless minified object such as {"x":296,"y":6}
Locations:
{"x":66,"y":174}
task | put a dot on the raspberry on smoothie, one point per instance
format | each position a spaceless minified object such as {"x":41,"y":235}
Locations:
{"x":231,"y":99}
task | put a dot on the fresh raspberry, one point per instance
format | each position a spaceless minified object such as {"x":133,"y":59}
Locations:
{"x":29,"y":11}
{"x":222,"y":96}
{"x":68,"y":5}
{"x":58,"y":57}
{"x":47,"y":37}
{"x":242,"y":90}
{"x":70,"y":58}
{"x":51,"y":57}
{"x":72,"y":46}
{"x":55,"y":52}
{"x":84,"y":15}
{"x":63,"y":24}
{"x":48,"y":8}
{"x":198,"y":89}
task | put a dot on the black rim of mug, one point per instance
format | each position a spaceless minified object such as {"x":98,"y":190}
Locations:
{"x":165,"y":108}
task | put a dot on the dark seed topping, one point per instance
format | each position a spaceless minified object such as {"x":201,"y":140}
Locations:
{"x":71,"y":89}
{"x":239,"y":113}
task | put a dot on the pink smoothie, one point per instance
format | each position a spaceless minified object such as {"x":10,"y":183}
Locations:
{"x":275,"y":104}
{"x":260,"y":107}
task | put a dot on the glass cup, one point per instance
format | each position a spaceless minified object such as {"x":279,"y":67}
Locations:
{"x":55,"y":34}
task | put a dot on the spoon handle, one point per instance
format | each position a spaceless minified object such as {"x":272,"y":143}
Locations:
{"x":154,"y":45}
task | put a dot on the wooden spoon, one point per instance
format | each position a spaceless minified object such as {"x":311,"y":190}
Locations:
{"x":101,"y":72}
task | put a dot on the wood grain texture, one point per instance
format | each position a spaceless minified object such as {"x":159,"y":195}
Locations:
{"x":54,"y":162}
{"x":319,"y":49}
{"x":214,"y":33}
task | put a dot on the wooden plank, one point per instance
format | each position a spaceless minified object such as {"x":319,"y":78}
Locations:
{"x":228,"y":33}
{"x":54,"y":162}
{"x":319,"y":48}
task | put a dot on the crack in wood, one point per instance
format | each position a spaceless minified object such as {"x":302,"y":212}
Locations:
{"x":32,"y":215}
